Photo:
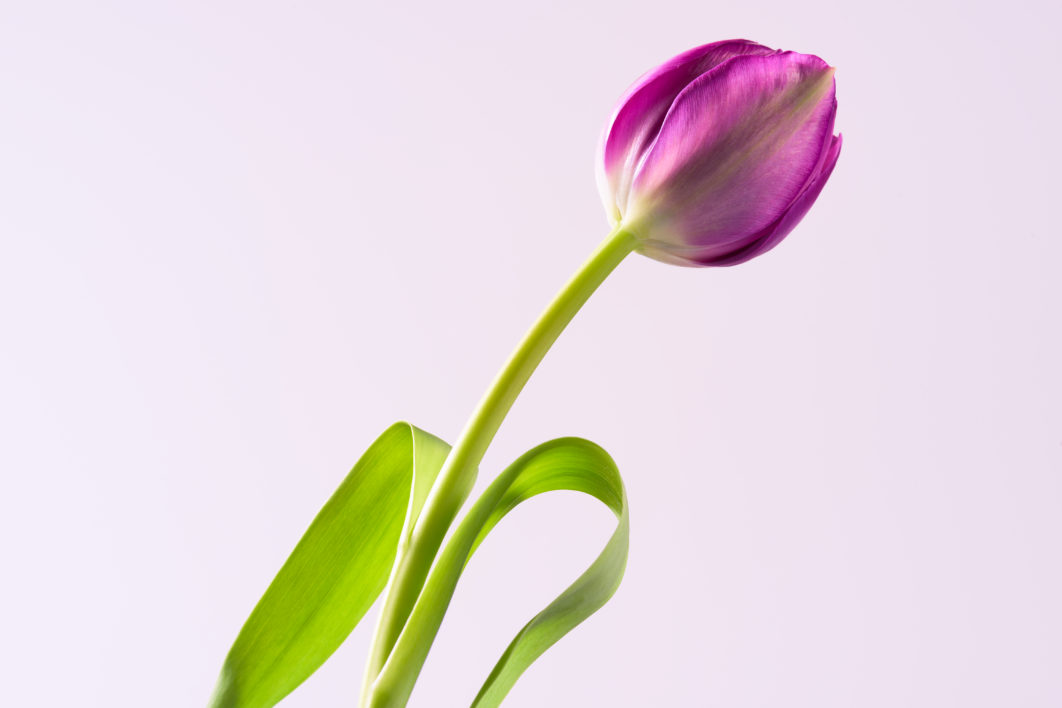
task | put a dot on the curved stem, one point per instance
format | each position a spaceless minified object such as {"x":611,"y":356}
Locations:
{"x":458,"y":474}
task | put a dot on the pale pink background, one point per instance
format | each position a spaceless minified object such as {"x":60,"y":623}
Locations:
{"x":240,"y":239}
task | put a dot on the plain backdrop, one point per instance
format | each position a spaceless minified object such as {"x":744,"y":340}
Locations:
{"x":239,"y":239}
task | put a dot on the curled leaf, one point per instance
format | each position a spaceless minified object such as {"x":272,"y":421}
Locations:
{"x":564,"y":464}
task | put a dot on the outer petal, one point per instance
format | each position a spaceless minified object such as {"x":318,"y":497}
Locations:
{"x":694,"y":256}
{"x":772,"y":236}
{"x":640,"y":112}
{"x":737,"y":148}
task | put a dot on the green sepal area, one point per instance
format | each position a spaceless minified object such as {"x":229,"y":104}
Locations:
{"x":335,"y":573}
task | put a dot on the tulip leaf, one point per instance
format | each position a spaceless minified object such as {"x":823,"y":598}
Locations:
{"x":564,"y":464}
{"x":567,"y":464}
{"x":335,"y":573}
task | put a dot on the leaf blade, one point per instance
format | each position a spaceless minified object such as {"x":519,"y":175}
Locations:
{"x":583,"y":597}
{"x":565,"y":464}
{"x":335,"y":573}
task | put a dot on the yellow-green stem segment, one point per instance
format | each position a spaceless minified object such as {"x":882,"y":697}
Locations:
{"x":458,"y":474}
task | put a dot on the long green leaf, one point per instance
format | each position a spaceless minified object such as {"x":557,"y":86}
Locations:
{"x":576,"y":465}
{"x":565,"y":464}
{"x":335,"y":572}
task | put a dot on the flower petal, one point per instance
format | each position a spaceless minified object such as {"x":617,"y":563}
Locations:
{"x":640,"y":112}
{"x":781,"y":228}
{"x":737,"y":148}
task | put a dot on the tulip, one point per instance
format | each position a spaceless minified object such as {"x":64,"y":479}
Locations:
{"x":714,"y":157}
{"x":709,"y":160}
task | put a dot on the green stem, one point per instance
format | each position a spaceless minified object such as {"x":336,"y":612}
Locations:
{"x":458,"y":474}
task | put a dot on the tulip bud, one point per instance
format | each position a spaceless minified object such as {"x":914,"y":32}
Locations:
{"x":713,"y":157}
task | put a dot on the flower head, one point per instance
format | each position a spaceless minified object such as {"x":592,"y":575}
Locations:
{"x":713,"y":157}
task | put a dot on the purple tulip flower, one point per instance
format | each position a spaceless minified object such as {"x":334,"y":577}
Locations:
{"x":713,"y":157}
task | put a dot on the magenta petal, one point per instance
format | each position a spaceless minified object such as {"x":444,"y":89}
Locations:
{"x":736,"y":149}
{"x":642,"y":109}
{"x":773,"y":235}
{"x":760,"y":243}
